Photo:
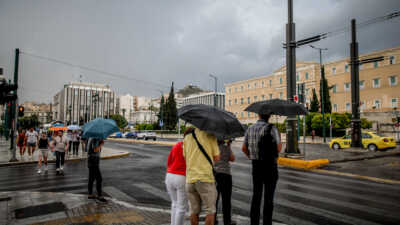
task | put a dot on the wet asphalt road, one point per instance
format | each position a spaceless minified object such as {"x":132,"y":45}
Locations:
{"x":301,"y":198}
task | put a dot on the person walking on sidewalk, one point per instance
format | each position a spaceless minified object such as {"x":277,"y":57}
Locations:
{"x":94,"y":151}
{"x":31,"y":139}
{"x":21,"y":141}
{"x":223,"y":178}
{"x":68,"y":136}
{"x":44,"y":152}
{"x":84,"y":142}
{"x":75,"y":143}
{"x":200,"y":150}
{"x":60,"y":145}
{"x":261,"y":145}
{"x":175,"y":181}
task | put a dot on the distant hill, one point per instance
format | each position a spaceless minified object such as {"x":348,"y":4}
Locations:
{"x":190,"y":90}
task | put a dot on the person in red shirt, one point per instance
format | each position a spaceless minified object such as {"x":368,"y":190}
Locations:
{"x":176,"y":183}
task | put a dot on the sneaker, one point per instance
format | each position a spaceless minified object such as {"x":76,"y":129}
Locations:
{"x":39,"y":171}
{"x":91,"y":197}
{"x":102,"y":199}
{"x":62,"y":168}
{"x":45,"y":168}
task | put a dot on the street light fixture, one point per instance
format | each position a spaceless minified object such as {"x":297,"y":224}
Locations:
{"x":322,"y":90}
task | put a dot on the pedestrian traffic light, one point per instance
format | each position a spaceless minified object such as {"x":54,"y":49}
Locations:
{"x":5,"y":93}
{"x":21,"y":111}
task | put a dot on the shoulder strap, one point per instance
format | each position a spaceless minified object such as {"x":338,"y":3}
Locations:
{"x":202,"y":149}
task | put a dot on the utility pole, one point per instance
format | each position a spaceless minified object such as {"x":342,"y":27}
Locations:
{"x":355,"y":89}
{"x":215,"y":90}
{"x":322,"y":90}
{"x":291,"y":139}
{"x":14,"y":114}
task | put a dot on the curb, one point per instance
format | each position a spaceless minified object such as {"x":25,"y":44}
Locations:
{"x":164,"y":143}
{"x":375,"y":179}
{"x":67,"y":160}
{"x":302,"y":164}
{"x":365,"y":157}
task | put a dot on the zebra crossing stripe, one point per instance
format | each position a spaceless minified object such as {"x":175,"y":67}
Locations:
{"x":153,"y":190}
{"x":117,"y":194}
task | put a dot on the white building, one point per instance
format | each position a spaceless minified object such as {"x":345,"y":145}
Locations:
{"x":206,"y":99}
{"x":126,"y":106}
{"x":144,"y":116}
{"x":80,"y":102}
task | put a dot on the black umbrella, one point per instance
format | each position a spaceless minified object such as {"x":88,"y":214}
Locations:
{"x":277,"y":107}
{"x":219,"y":122}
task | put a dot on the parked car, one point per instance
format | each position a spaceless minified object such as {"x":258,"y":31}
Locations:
{"x":131,"y":135}
{"x":116,"y":135}
{"x":370,"y":140}
{"x":147,"y":135}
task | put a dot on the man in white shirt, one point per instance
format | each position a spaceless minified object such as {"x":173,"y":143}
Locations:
{"x":31,"y":140}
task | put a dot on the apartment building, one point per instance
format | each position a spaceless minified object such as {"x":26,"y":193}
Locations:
{"x":379,"y":88}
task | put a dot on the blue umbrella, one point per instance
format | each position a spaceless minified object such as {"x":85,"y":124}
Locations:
{"x":57,"y":125}
{"x":74,"y":127}
{"x":99,"y":128}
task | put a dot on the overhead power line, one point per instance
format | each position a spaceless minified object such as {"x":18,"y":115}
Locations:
{"x":114,"y":75}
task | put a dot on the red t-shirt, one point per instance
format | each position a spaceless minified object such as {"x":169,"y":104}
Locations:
{"x":176,"y":162}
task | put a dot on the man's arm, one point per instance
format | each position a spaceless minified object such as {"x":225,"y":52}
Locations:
{"x":245,"y":150}
{"x":231,"y":156}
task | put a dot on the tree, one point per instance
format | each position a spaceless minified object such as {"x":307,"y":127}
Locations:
{"x":314,"y":107}
{"x":119,"y":120}
{"x":171,"y":111}
{"x":27,"y":122}
{"x":327,"y":98}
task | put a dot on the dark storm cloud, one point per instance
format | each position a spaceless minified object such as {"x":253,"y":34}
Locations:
{"x":180,"y":41}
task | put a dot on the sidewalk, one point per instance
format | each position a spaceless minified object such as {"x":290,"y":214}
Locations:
{"x":48,"y":208}
{"x":5,"y":155}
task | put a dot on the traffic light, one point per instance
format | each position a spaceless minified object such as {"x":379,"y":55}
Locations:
{"x":5,"y":93}
{"x":21,"y":111}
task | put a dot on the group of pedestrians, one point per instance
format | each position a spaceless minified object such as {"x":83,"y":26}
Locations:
{"x":199,"y":172}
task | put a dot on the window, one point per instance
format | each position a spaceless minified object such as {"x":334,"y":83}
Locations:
{"x":297,"y":76}
{"x":230,"y":102}
{"x":307,"y":92}
{"x":362,"y":105}
{"x":346,"y":86}
{"x":335,"y":107}
{"x":346,"y":68}
{"x":235,"y":101}
{"x":263,"y":97}
{"x":362,"y":84}
{"x":392,"y":80}
{"x":366,"y":136}
{"x":334,"y":70}
{"x":348,"y":106}
{"x":248,"y":115}
{"x":255,"y":98}
{"x":248,"y":100}
{"x":375,"y":64}
{"x":262,"y":84}
{"x":242,"y":114}
{"x":241,"y":101}
{"x":248,"y":86}
{"x":376,"y":83}
{"x":241,"y":88}
{"x":391,"y":60}
{"x":306,"y":75}
{"x":334,"y":88}
{"x":270,"y":96}
{"x":377,"y":104}
{"x":229,"y":90}
{"x":280,"y":80}
{"x":270,"y":83}
{"x":235,"y":89}
{"x":394,"y":102}
{"x":255,"y":85}
{"x":280,"y":95}
{"x":360,"y":66}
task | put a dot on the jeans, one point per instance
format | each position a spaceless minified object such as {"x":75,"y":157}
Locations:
{"x":75,"y":147}
{"x":95,"y":175}
{"x":176,"y":189}
{"x":224,"y":189}
{"x":265,"y":177}
{"x":60,"y":156}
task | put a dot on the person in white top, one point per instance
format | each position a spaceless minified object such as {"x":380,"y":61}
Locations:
{"x":31,"y":140}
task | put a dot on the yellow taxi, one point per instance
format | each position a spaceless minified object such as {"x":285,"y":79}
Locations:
{"x":370,"y":140}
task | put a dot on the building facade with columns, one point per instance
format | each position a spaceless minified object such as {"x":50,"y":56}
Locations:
{"x":206,"y":99}
{"x":80,"y":102}
{"x":379,"y":85}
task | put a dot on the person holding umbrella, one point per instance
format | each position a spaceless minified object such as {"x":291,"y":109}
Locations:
{"x":261,"y":145}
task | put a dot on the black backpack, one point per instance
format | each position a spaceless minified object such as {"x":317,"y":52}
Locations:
{"x":267,"y":146}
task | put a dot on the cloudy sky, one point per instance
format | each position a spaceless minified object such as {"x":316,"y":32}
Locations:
{"x":148,"y":44}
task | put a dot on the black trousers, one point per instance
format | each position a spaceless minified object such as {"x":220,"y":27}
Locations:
{"x":69,"y":146}
{"x":60,"y":156}
{"x":265,"y":177}
{"x":95,"y":175}
{"x":224,"y":189}
{"x":75,"y":147}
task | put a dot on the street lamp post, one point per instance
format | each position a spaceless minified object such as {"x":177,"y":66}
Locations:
{"x":322,"y":90}
{"x":215,"y":90}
